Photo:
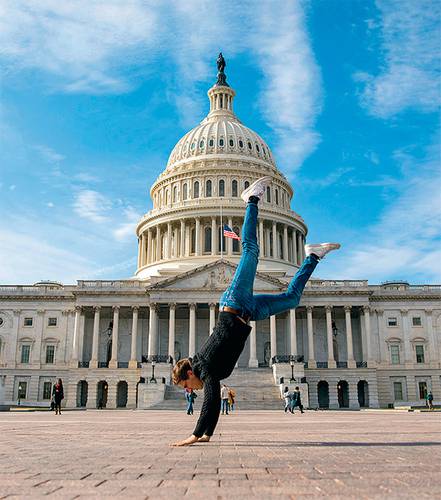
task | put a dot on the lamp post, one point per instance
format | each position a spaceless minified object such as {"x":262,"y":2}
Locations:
{"x":152,"y":379}
{"x":292,"y":379}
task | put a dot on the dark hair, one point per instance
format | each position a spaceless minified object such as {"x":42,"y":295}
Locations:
{"x":286,"y":389}
{"x":180,"y":370}
{"x":297,"y":387}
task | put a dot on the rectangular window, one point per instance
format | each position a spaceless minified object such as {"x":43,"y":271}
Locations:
{"x":28,"y":322}
{"x":47,"y":387}
{"x":416,"y":321}
{"x":395,"y":354}
{"x":398,"y":391}
{"x":22,"y":390}
{"x":419,"y":350}
{"x":52,"y":322}
{"x":392,"y":322}
{"x":25,"y":353}
{"x":422,"y":389}
{"x":50,"y":354}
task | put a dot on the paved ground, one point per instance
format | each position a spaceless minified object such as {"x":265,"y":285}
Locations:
{"x":253,"y":455}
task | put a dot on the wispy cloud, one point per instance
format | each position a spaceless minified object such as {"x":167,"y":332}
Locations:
{"x":102,"y":46}
{"x":410,"y":71}
{"x":92,"y":205}
{"x":49,"y":154}
{"x":127,"y":228}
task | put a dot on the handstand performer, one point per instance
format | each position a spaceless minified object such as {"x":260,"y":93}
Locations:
{"x":217,"y":357}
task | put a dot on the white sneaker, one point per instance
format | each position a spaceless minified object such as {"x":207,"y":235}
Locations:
{"x":321,"y":249}
{"x":257,"y":188}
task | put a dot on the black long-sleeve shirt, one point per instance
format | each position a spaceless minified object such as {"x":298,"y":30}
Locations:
{"x":215,"y":361}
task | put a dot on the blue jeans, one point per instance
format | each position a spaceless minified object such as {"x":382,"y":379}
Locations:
{"x":225,"y":406}
{"x":189,"y":407}
{"x":239,"y":295}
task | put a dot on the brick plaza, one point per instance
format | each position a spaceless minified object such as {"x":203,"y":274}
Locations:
{"x":253,"y":454}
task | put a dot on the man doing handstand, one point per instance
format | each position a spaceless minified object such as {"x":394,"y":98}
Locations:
{"x":218,"y":356}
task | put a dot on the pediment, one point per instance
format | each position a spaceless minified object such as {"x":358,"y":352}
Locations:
{"x":216,"y":276}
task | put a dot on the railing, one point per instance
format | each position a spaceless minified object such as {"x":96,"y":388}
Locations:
{"x":306,"y":364}
{"x":157,"y":358}
{"x":286,"y":358}
{"x":115,"y":284}
{"x":123,"y":364}
{"x":322,"y":364}
{"x":341,"y":283}
{"x":342,"y":364}
{"x":103,"y":364}
{"x":83,"y":364}
{"x":361,"y":364}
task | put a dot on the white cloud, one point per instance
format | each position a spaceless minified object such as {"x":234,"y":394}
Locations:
{"x":92,"y":205}
{"x":49,"y":204}
{"x":95,"y":47}
{"x":49,"y":154}
{"x":410,"y":72}
{"x":127,"y":229}
{"x":12,"y":187}
{"x":406,"y":240}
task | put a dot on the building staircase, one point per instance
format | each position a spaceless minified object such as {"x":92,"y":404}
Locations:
{"x":254,"y":388}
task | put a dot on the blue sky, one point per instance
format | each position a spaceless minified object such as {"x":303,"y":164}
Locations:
{"x":94,"y":95}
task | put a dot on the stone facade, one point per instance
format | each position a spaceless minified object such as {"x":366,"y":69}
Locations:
{"x":362,"y":345}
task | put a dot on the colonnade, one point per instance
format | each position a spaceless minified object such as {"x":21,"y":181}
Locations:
{"x":153,"y":336}
{"x":198,"y":236}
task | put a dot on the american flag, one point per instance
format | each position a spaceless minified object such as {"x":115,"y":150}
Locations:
{"x":229,"y":233}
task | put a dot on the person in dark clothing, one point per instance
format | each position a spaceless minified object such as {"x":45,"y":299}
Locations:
{"x":238,"y":305}
{"x":190,"y":396}
{"x":58,"y":395}
{"x":297,"y":400}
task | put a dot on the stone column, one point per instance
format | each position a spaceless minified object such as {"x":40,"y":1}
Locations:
{"x":169,"y":238}
{"x":212,"y":318}
{"x":158,"y":244}
{"x":133,"y":363}
{"x":329,"y":337}
{"x":285,"y":243}
{"x":261,"y":238}
{"x":182,"y":242}
{"x":294,"y":247}
{"x":36,"y":353}
{"x":383,"y":352}
{"x":115,"y":338}
{"x":367,"y":329}
{"x":333,"y":394}
{"x":140,"y":250}
{"x":153,"y":331}
{"x":149,"y":250}
{"x":268,"y":242}
{"x":253,"y":362}
{"x":275,"y":243}
{"x":293,"y":332}
{"x":192,"y":331}
{"x":311,"y":356}
{"x":14,"y":340}
{"x":353,"y":395}
{"x":273,"y":337}
{"x":350,"y":346}
{"x":406,"y":337}
{"x":229,"y":240}
{"x":213,"y":236}
{"x":433,"y":347}
{"x":197,"y":245}
{"x":171,"y":330}
{"x":76,"y":338}
{"x":95,"y":338}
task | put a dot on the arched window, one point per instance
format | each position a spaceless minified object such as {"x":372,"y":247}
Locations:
{"x":268,"y":194}
{"x":211,"y":143}
{"x":207,"y":240}
{"x":277,"y":196}
{"x":208,"y":189}
{"x":250,"y":146}
{"x":240,"y":143}
{"x":221,"y":187}
{"x":166,"y":197}
{"x":184,"y":191}
{"x":202,"y":144}
{"x":196,"y":189}
{"x":231,"y":142}
{"x":221,"y":240}
{"x":234,"y":188}
{"x":246,"y":184}
{"x":221,"y":143}
{"x":281,"y":246}
{"x":175,"y":194}
{"x":271,"y":250}
{"x":236,"y":247}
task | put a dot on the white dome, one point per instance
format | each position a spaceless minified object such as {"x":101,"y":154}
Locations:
{"x":220,"y":133}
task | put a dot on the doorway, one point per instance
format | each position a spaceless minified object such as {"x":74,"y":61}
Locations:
{"x":323,"y":394}
{"x":363,"y":394}
{"x":101,"y":395}
{"x":343,"y":394}
{"x":121,"y":394}
{"x":82,"y":390}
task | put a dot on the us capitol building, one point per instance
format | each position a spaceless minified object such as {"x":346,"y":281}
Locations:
{"x":350,"y":343}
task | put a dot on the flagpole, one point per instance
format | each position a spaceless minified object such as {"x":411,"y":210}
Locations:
{"x":221,"y":232}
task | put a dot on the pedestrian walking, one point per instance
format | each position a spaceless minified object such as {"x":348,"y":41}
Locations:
{"x":297,"y":400}
{"x":429,"y":399}
{"x":287,"y":398}
{"x":231,"y":396}
{"x":238,"y":306}
{"x":224,"y":399}
{"x":58,"y":395}
{"x":190,"y":396}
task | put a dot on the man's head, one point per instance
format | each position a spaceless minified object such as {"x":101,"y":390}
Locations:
{"x":297,"y":388}
{"x":183,"y":375}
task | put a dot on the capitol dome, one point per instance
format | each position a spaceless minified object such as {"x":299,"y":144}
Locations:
{"x":199,"y":192}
